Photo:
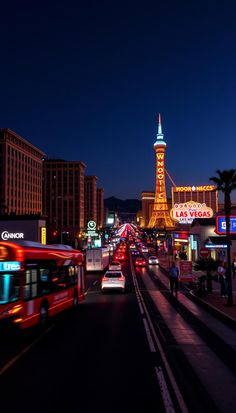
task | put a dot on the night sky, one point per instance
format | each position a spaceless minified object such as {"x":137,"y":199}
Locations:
{"x":85,"y":80}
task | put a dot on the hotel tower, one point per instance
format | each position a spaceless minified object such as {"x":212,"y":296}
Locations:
{"x":160,"y":217}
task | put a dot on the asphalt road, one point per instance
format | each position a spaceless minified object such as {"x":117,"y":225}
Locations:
{"x":141,"y":350}
{"x":95,"y":358}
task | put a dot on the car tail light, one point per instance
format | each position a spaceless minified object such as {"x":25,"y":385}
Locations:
{"x":104,"y":278}
{"x":121,"y":279}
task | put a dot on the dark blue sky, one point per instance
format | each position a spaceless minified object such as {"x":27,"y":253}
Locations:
{"x":85,"y":80}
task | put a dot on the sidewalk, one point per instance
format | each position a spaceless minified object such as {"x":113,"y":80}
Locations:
{"x":217,"y":303}
{"x":214,"y":302}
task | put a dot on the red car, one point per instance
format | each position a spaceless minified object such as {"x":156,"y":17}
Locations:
{"x":119,"y":256}
{"x":140,"y":262}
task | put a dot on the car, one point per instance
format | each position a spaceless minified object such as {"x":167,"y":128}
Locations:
{"x":115,"y":266}
{"x":144,"y":249}
{"x":140,"y":262}
{"x":119,"y":256}
{"x":153,"y":259}
{"x":113,"y":280}
{"x":135,"y":252}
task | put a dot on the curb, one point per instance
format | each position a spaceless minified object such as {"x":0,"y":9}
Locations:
{"x":220,"y":315}
{"x":231,"y":322}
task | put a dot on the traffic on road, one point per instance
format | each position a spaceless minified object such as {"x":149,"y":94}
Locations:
{"x":134,"y":347}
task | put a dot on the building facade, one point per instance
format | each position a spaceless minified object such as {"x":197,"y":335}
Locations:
{"x":63,"y":195}
{"x":100,"y":207}
{"x":90,"y":197}
{"x":147,"y":199}
{"x":21,"y":170}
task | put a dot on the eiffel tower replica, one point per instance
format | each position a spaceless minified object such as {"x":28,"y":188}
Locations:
{"x":160,"y":217}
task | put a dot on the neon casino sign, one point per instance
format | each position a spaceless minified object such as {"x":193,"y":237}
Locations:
{"x":160,"y":175}
{"x":186,"y":212}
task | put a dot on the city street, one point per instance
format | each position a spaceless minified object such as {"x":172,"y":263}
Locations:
{"x":141,"y":349}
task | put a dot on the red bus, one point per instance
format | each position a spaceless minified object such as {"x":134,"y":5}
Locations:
{"x":38,"y":281}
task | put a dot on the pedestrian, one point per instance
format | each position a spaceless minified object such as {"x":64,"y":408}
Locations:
{"x":221,"y":271}
{"x":174,"y":278}
{"x":234,"y":267}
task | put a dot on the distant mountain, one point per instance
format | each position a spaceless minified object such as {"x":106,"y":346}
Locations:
{"x":123,"y":205}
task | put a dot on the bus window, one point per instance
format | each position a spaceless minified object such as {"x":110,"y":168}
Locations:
{"x":45,"y":283}
{"x":62,"y":278}
{"x":9,"y":288}
{"x":31,"y":285}
{"x":72,"y":276}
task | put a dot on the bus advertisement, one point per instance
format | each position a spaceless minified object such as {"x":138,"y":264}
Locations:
{"x":38,"y":281}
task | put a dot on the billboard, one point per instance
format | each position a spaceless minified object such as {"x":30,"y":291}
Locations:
{"x":204,"y":194}
{"x":23,"y":230}
{"x":186,"y":212}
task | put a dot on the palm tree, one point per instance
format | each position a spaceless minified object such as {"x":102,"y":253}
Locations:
{"x":226,"y":182}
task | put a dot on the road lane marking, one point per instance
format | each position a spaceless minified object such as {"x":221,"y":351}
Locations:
{"x":174,"y":384}
{"x":164,"y":391}
{"x":149,"y":336}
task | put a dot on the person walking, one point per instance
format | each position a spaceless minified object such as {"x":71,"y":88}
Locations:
{"x":174,"y":278}
{"x":221,"y":271}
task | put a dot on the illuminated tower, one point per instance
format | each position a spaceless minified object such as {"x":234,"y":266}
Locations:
{"x":160,"y":217}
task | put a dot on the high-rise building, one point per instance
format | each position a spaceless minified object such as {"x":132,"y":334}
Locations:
{"x":90,"y":198}
{"x":100,"y":207}
{"x":63,"y":194}
{"x":21,"y":165}
{"x":147,"y":198}
{"x":160,"y":217}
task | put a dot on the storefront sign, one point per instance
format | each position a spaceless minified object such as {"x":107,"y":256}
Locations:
{"x":5,"y":235}
{"x":91,"y":229}
{"x":186,"y":271}
{"x":27,"y":228}
{"x":185,"y":213}
{"x":221,"y":225}
{"x":43,"y":235}
{"x":195,"y":188}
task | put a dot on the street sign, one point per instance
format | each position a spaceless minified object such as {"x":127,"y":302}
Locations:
{"x":91,"y":229}
{"x":204,"y":252}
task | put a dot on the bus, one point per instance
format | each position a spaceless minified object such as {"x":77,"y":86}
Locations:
{"x":38,"y":281}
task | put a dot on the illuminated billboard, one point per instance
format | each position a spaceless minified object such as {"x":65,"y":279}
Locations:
{"x":110,"y":220}
{"x":186,"y":212}
{"x":193,"y":188}
{"x":203,"y":194}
